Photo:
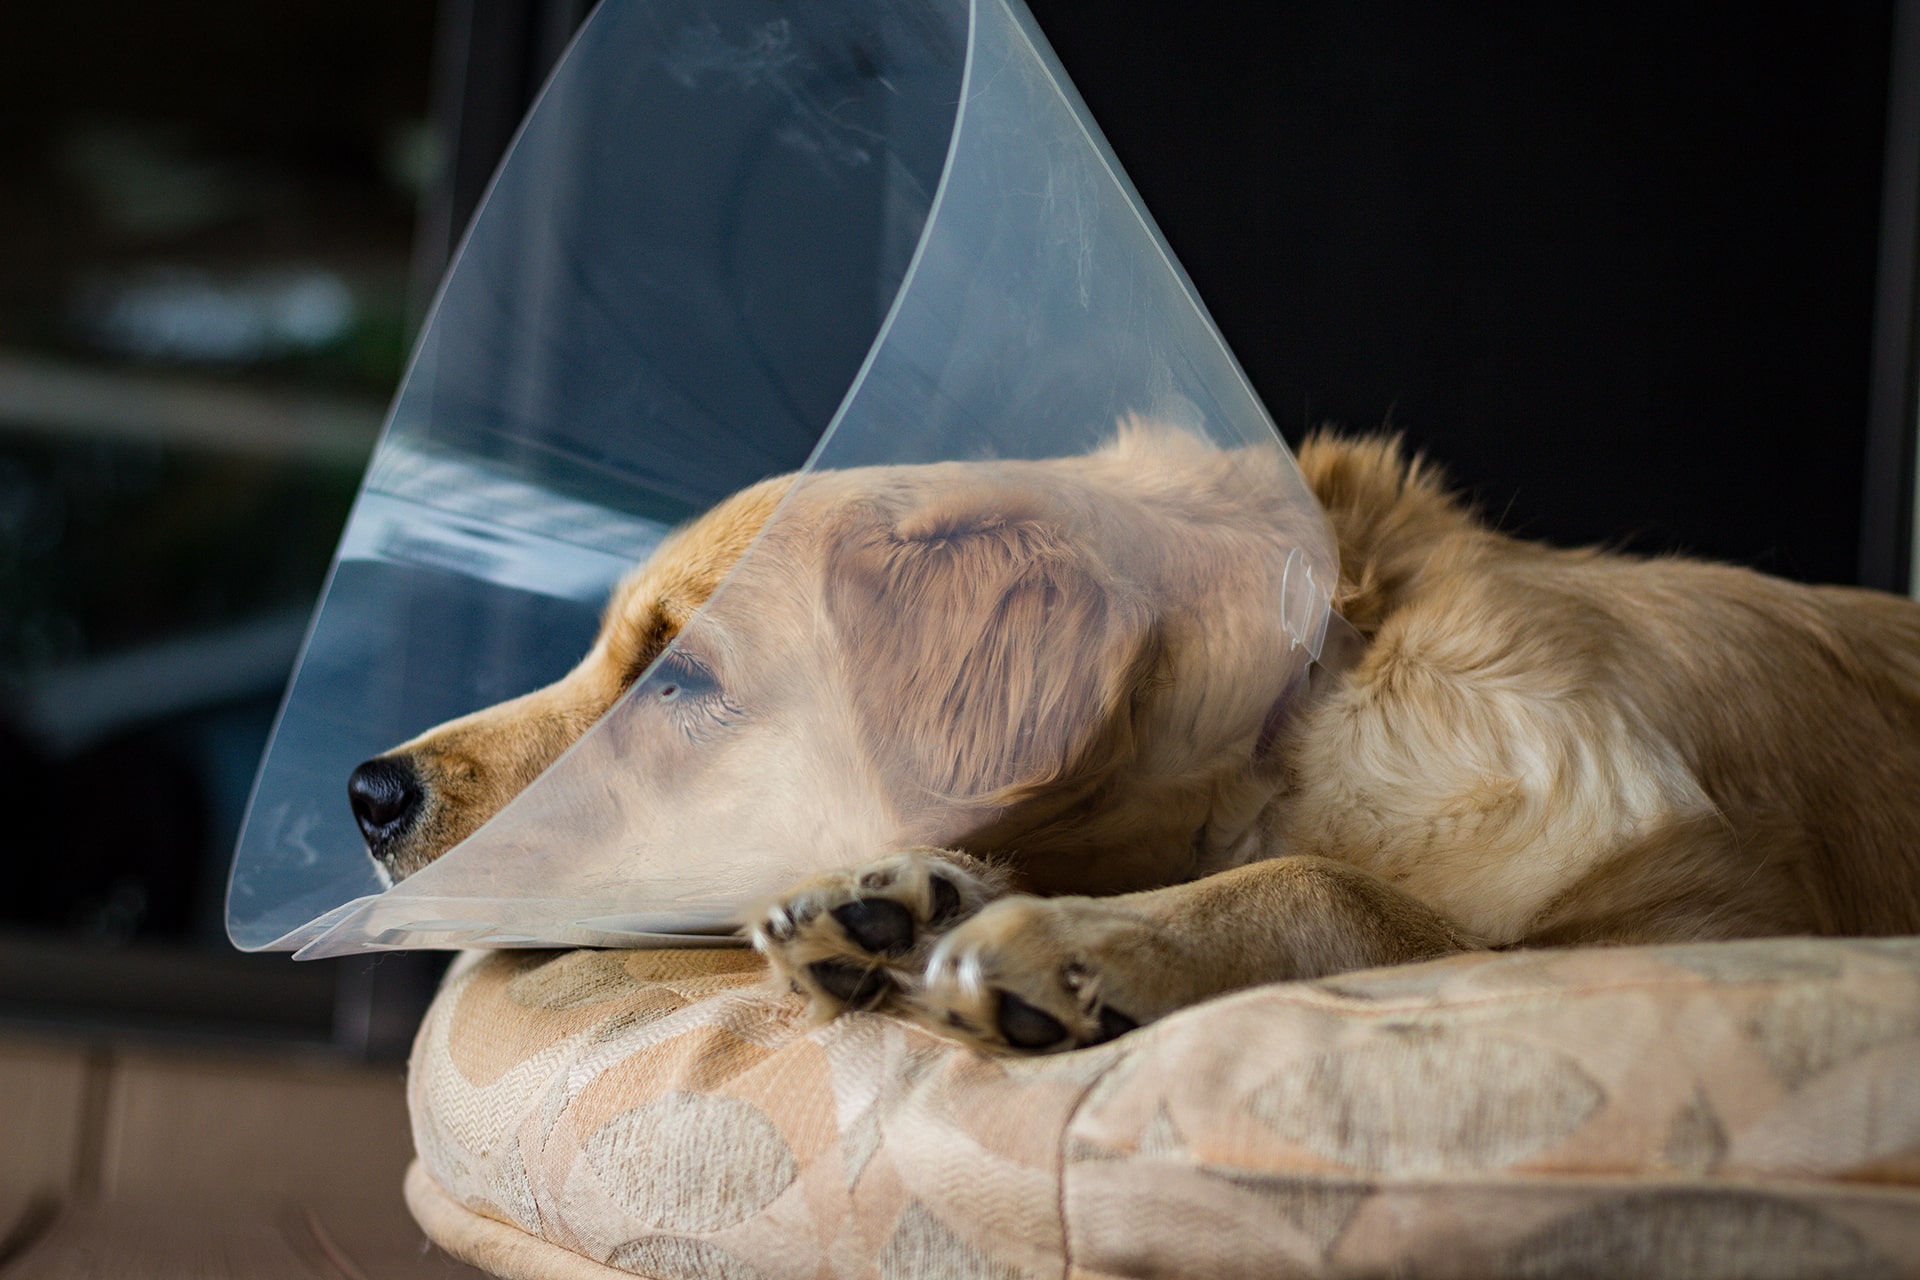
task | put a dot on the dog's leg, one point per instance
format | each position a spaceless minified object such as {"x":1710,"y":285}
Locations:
{"x":1047,"y":974}
{"x":861,"y":938}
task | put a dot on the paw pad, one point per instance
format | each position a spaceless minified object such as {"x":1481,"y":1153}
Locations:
{"x":945,"y":896}
{"x":877,"y":925}
{"x":1113,"y":1024}
{"x":1026,"y":1027}
{"x":851,"y":984}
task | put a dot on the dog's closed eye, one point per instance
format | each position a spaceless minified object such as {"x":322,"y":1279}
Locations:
{"x":685,"y":688}
{"x":681,"y":677}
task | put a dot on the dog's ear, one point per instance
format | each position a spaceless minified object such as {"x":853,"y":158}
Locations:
{"x":987,"y":654}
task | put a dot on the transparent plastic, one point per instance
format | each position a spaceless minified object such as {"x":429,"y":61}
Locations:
{"x":881,"y":244}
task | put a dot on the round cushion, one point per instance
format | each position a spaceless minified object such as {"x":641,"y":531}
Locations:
{"x":1741,"y":1109}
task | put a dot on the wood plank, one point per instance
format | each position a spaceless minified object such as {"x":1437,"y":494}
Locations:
{"x":120,"y":1240}
{"x":43,"y":1101}
{"x":117,"y":1242}
{"x":222,"y":1130}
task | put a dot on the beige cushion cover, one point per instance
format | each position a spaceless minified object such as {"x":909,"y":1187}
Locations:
{"x":1737,"y":1109}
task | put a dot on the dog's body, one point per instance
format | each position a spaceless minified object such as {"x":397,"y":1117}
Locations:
{"x":1535,"y":746}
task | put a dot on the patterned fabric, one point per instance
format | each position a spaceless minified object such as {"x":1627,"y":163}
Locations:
{"x":1735,"y":1109}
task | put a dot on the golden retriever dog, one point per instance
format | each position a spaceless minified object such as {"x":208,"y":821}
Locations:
{"x":1531,"y":746}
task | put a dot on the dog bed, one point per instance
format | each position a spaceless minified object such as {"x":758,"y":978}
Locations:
{"x":1741,"y":1109}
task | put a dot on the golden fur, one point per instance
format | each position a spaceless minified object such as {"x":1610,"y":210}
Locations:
{"x":1536,"y":746}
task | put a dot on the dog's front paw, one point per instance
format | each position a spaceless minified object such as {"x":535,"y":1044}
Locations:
{"x":857,"y":939}
{"x":1044,"y":975}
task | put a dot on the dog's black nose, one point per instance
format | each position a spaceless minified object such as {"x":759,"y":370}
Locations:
{"x":385,"y":795}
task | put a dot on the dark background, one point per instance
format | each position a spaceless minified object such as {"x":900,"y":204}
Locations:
{"x":1613,"y":264}
{"x":1632,"y":272}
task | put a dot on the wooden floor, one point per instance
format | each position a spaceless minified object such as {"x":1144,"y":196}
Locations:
{"x":141,"y":1164}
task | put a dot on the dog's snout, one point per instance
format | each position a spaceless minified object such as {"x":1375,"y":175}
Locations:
{"x":385,"y":795}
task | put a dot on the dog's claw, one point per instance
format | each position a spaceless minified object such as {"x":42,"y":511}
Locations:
{"x":779,"y":925}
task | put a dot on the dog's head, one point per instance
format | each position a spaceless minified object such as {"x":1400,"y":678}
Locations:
{"x":1038,"y":660}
